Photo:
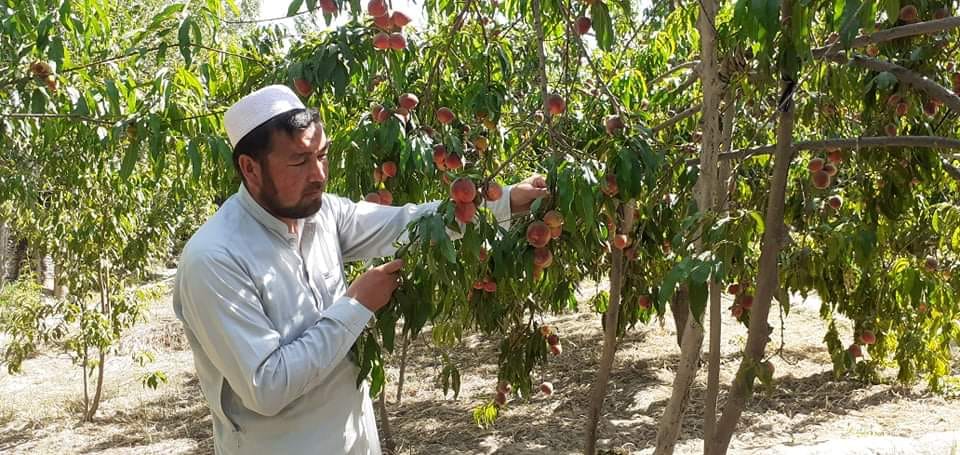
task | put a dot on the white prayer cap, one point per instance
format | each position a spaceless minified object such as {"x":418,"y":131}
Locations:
{"x":258,"y":107}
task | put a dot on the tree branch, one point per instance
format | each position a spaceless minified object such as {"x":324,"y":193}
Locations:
{"x":903,"y":31}
{"x":677,"y":118}
{"x":848,"y":143}
{"x":693,"y":64}
{"x":62,"y":116}
{"x":911,"y":78}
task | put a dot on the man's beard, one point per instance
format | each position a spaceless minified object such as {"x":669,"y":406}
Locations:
{"x":302,"y":209}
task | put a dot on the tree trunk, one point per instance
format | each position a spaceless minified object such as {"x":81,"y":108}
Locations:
{"x":19,"y":259}
{"x":4,"y":238}
{"x":768,"y":274}
{"x":716,"y":310}
{"x":707,"y":188}
{"x":388,"y":442}
{"x":403,"y":369}
{"x":611,"y":322}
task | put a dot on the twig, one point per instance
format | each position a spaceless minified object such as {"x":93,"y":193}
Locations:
{"x":848,"y":143}
{"x":690,"y":111}
{"x":911,"y":78}
{"x":693,"y":64}
{"x":903,"y":31}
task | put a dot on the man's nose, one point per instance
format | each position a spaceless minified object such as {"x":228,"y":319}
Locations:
{"x":318,"y":172}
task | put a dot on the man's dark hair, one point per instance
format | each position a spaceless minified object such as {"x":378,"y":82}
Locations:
{"x":256,"y":144}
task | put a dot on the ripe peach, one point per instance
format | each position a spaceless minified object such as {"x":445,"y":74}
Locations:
{"x":894,"y":100}
{"x":830,"y":169}
{"x":408,"y":101}
{"x":377,"y":176}
{"x":538,"y":234}
{"x":397,"y":41}
{"x":383,"y":22}
{"x":556,"y":232}
{"x":620,"y":241}
{"x":464,"y":212}
{"x":931,"y":264}
{"x":445,"y":116}
{"x":746,"y":301}
{"x":52,"y":83}
{"x":453,"y":161}
{"x":556,"y":349}
{"x":386,"y":197}
{"x":492,"y":191}
{"x":555,"y":104}
{"x":941,"y":13}
{"x":478,"y":285}
{"x":372,"y":197}
{"x":909,"y":13}
{"x":855,"y":350}
{"x":328,"y":6}
{"x":546,"y":388}
{"x":867,"y":337}
{"x":815,"y":165}
{"x":835,"y":202}
{"x":439,"y":154}
{"x":609,"y":185}
{"x":733,"y":289}
{"x":644,"y":302}
{"x":612,"y":124}
{"x":303,"y":87}
{"x":835,"y":156}
{"x":821,"y":179}
{"x":375,"y":109}
{"x":553,"y":339}
{"x":41,"y":69}
{"x":542,"y":257}
{"x":399,"y":19}
{"x":483,"y":255}
{"x":489,"y":124}
{"x":463,"y":190}
{"x":873,"y":50}
{"x":389,"y":169}
{"x":377,"y":8}
{"x":930,"y":108}
{"x":583,"y":25}
{"x":903,"y":108}
{"x":553,"y":219}
{"x":381,"y":41}
{"x":890,"y":129}
{"x":922,"y":308}
{"x":490,"y":286}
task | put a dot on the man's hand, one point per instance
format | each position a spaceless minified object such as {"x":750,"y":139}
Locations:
{"x":374,"y":288}
{"x":524,"y":193}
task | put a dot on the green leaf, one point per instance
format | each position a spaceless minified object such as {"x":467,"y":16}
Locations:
{"x":294,"y":7}
{"x":56,"y":51}
{"x":600,"y":16}
{"x":130,"y":160}
{"x":892,"y":7}
{"x":195,"y":160}
{"x":698,"y":299}
{"x":339,"y":79}
{"x":183,"y":36}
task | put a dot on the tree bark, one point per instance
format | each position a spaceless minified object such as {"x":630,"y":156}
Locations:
{"x":19,"y":259}
{"x":611,"y":321}
{"x":388,"y":441}
{"x":903,"y":31}
{"x":936,"y":142}
{"x":403,"y":369}
{"x":4,"y":238}
{"x":707,"y":188}
{"x":768,"y":275}
{"x":680,"y":307}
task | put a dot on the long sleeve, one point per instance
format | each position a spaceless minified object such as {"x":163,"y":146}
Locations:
{"x":368,"y":230}
{"x":222,"y":307}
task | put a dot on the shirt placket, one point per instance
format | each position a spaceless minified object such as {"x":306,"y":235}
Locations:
{"x":308,"y":246}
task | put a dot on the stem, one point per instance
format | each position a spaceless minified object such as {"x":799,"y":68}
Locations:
{"x":611,"y":321}
{"x":768,"y":275}
{"x":388,"y":440}
{"x":859,"y":143}
{"x":706,"y":189}
{"x":903,"y":31}
{"x":912,"y":79}
{"x":688,"y":112}
{"x":687,"y":65}
{"x":403,"y":369}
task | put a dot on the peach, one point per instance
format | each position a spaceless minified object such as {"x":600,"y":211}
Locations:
{"x":463,"y":190}
{"x":445,"y":116}
{"x":408,"y":101}
{"x":553,"y":219}
{"x":538,"y":234}
{"x":389,"y":169}
{"x":464,"y":212}
{"x":542,"y":257}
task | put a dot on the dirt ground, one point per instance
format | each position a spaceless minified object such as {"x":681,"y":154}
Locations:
{"x":39,"y":408}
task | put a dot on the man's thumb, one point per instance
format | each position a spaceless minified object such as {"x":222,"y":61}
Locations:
{"x":393,"y":266}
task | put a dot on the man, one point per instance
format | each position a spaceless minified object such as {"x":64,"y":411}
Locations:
{"x":261,"y":289}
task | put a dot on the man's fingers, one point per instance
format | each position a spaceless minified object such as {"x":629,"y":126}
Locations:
{"x":538,"y":181}
{"x":393,"y":266}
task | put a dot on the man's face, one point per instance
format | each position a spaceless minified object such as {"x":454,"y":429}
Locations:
{"x":294,"y":173}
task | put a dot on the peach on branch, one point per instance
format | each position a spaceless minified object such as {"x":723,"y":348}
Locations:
{"x":386,"y":197}
{"x":480,"y":143}
{"x":830,"y":169}
{"x":612,"y":124}
{"x":328,"y":6}
{"x":372,"y":197}
{"x":644,"y":302}
{"x":397,"y":41}
{"x":490,"y":286}
{"x":835,"y":202}
{"x":303,"y":86}
{"x":620,"y":241}
{"x":538,"y":234}
{"x":453,"y":161}
{"x":399,"y":19}
{"x":553,"y":219}
{"x":835,"y":156}
{"x":445,"y":116}
{"x":542,"y":257}
{"x":867,"y":337}
{"x":855,"y":351}
{"x":389,"y":169}
{"x":464,"y":212}
{"x":492,"y":191}
{"x":383,"y":22}
{"x":555,"y":104}
{"x":381,"y":41}
{"x":583,"y":25}
{"x":408,"y":101}
{"x":815,"y":164}
{"x":733,"y":289}
{"x":909,"y":14}
{"x":463,"y":190}
{"x":377,"y":8}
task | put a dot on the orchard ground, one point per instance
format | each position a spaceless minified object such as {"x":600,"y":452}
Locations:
{"x":40,"y":408}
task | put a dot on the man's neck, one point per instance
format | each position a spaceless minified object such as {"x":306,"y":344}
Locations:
{"x":293,"y":226}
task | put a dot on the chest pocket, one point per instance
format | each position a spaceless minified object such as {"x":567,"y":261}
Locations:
{"x":325,"y":264}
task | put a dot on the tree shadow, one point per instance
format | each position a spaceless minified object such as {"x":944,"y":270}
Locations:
{"x":175,"y":415}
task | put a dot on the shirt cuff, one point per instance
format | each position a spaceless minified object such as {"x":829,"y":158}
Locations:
{"x":501,"y":208}
{"x":349,"y":312}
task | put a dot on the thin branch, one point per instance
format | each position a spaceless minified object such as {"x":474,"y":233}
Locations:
{"x":617,"y":104}
{"x":849,"y":143}
{"x":903,"y":31}
{"x":61,"y":116}
{"x":693,"y":64}
{"x":690,"y":111}
{"x":950,"y":169}
{"x":911,"y":78}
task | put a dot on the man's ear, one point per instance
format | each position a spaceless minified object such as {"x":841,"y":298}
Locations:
{"x":252,"y":172}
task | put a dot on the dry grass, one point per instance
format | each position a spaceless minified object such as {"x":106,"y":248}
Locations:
{"x":38,"y":413}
